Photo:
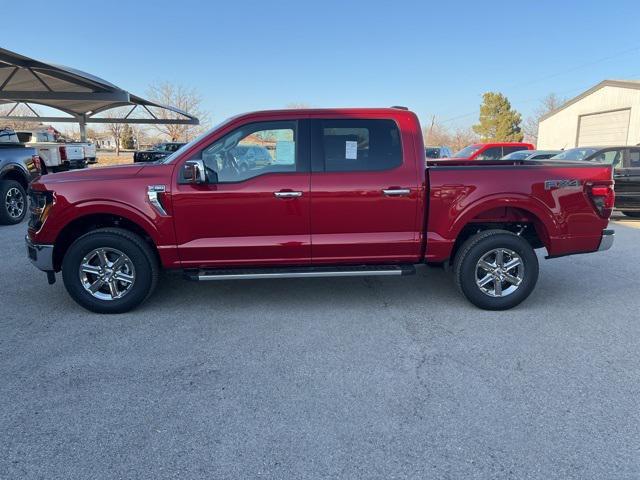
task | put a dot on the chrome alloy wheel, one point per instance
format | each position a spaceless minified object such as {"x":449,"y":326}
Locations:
{"x":499,"y":272}
{"x":107,"y":273}
{"x":14,"y":201}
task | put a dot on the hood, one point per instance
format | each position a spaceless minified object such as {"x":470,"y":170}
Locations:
{"x":93,"y":174}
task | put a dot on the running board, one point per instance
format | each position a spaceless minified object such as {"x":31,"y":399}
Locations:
{"x":299,"y":272}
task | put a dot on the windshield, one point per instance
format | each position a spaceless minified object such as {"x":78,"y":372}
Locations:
{"x":177,"y":153}
{"x":575,"y":154}
{"x":519,"y":155}
{"x":466,"y":152}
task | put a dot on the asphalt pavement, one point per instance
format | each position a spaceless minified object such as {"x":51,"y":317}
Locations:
{"x":325,"y":378}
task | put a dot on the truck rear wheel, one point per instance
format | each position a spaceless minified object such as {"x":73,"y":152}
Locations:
{"x":13,"y":202}
{"x":110,"y":270}
{"x":496,"y":269}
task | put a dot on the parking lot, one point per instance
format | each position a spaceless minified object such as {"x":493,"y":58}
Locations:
{"x":343,"y":378}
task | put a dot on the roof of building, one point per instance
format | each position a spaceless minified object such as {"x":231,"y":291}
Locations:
{"x":634,"y":84}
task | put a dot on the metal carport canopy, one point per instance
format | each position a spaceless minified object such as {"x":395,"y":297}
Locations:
{"x":80,"y":95}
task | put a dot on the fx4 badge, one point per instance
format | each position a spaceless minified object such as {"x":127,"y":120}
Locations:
{"x":551,"y":184}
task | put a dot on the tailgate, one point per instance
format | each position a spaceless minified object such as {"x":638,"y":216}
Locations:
{"x":74,"y":152}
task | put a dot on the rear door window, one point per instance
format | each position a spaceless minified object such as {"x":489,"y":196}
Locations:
{"x":356,"y":145}
{"x":508,"y":150}
{"x":634,"y":159}
{"x":24,"y":137}
{"x":610,"y":157}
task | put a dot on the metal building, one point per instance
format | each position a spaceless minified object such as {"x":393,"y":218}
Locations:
{"x":607,"y":114}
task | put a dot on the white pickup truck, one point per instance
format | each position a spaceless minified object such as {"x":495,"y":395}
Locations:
{"x":56,"y":156}
{"x":89,"y":152}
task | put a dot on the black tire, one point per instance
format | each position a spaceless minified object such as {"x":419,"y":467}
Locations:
{"x":140,"y":255}
{"x":466,"y":267}
{"x":13,"y":202}
{"x":632,"y":214}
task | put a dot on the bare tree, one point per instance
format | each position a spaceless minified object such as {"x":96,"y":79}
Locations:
{"x":140,"y":135}
{"x":115,"y":129}
{"x":437,"y":134}
{"x":185,"y":99}
{"x":20,"y":110}
{"x":462,"y":137}
{"x":547,"y":105}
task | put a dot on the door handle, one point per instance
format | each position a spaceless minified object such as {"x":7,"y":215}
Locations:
{"x":396,"y":192}
{"x":287,"y":194}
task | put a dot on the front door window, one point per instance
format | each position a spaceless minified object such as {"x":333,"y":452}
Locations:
{"x":251,"y":150}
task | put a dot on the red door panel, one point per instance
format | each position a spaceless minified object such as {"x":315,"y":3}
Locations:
{"x":353,"y":221}
{"x":244,"y":224}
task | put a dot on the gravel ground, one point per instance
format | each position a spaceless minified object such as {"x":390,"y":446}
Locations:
{"x":325,"y":378}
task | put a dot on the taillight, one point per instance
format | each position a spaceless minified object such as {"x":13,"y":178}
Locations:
{"x":603,"y":198}
{"x":37,"y":162}
{"x":63,"y":153}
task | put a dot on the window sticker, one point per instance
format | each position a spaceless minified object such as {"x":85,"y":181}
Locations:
{"x":285,"y":152}
{"x":351,"y":150}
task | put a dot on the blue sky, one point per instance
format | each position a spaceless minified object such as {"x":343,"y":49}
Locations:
{"x":435,"y":58}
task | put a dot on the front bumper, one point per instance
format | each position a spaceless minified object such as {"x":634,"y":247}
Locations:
{"x":607,"y":240}
{"x":40,"y":255}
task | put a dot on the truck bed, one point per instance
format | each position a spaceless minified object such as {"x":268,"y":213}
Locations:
{"x":551,"y":200}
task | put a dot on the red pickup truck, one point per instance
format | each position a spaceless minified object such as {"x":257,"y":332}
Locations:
{"x":344,"y":192}
{"x":491,"y":151}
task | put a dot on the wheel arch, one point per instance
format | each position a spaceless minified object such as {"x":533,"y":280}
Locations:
{"x":518,"y":214}
{"x":93,"y":221}
{"x":13,"y":172}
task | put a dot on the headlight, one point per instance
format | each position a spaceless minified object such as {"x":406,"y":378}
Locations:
{"x":40,"y":204}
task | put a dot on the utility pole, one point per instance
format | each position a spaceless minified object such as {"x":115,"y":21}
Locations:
{"x":433,"y":122}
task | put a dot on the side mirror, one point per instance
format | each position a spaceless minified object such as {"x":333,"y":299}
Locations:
{"x":192,"y":172}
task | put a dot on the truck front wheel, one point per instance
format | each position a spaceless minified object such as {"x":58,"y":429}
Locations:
{"x":13,"y":206}
{"x":110,"y":270}
{"x":496,"y":269}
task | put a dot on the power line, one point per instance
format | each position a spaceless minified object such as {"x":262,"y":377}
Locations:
{"x":554,"y":75}
{"x":573,"y":69}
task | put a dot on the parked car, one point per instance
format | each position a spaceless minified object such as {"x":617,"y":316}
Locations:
{"x":157,"y":152}
{"x":433,"y":152}
{"x":55,"y":156}
{"x":18,"y":166}
{"x":250,"y":156}
{"x":626,"y":171}
{"x":491,"y":151}
{"x":531,"y":155}
{"x":349,"y":196}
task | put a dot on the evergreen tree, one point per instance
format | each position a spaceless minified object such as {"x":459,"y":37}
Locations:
{"x":498,"y":121}
{"x":126,"y":138}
